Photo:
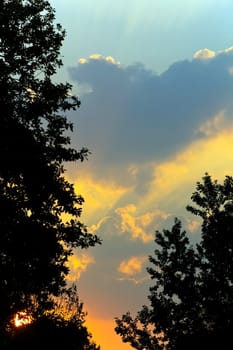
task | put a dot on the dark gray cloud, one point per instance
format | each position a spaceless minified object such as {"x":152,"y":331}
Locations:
{"x":133,"y":115}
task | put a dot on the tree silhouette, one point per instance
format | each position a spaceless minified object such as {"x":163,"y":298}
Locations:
{"x":191,"y":300}
{"x":61,"y":328}
{"x":35,"y":239}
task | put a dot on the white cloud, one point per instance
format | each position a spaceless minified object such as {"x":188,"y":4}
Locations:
{"x":82,"y":60}
{"x":228,"y":50}
{"x":99,"y":57}
{"x":204,"y":54}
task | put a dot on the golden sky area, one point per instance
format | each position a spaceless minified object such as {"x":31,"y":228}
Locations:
{"x":103,"y":333}
{"x":169,"y":191}
{"x":155,"y":82}
{"x":177,"y":176}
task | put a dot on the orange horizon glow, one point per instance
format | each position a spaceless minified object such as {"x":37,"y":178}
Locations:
{"x":99,"y":328}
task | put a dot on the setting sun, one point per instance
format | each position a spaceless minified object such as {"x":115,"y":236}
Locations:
{"x":22,"y":318}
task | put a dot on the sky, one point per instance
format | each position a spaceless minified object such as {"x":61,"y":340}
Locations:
{"x":155,"y":80}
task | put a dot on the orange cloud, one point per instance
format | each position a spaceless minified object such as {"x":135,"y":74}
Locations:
{"x":193,"y":225}
{"x":77,"y":265}
{"x":99,"y":197}
{"x":135,"y":225}
{"x":169,"y":190}
{"x":133,"y":265}
{"x":174,"y":180}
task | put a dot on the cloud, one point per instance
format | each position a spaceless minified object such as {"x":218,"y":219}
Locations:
{"x":138,"y":226}
{"x":100,"y":196}
{"x":175,"y":179}
{"x":228,"y":50}
{"x":113,"y":290}
{"x":77,"y":265}
{"x":135,"y":280}
{"x":193,"y":225}
{"x":127,"y":230}
{"x":204,"y":54}
{"x":134,"y":215}
{"x":213,"y":125}
{"x":98,"y":57}
{"x":132,"y":116}
{"x":132,"y":266}
{"x":152,"y":138}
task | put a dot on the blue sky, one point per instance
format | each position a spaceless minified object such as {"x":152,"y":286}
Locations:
{"x":155,"y":79}
{"x":156,"y":33}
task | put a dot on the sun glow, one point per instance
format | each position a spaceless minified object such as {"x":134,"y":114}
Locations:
{"x":22,"y":318}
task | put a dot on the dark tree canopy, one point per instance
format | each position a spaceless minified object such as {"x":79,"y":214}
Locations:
{"x":191,"y":300}
{"x":62,"y":328}
{"x":35,"y":242}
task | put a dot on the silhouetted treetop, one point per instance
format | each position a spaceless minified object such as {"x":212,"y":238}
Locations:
{"x":191,"y":299}
{"x":62,"y":328}
{"x":39,"y":208}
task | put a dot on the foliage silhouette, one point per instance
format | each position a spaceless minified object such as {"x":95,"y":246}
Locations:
{"x":191,"y":300}
{"x":35,"y":239}
{"x":62,"y":328}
